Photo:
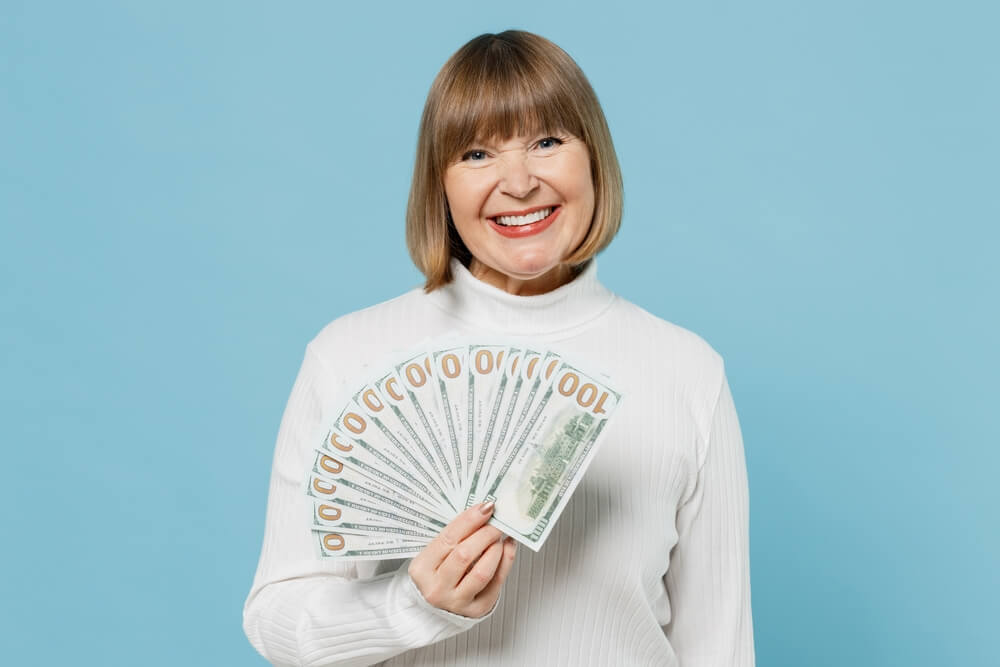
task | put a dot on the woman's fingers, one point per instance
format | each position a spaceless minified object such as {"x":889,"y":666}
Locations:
{"x":482,"y":573}
{"x":462,"y":569}
{"x":453,"y":534}
{"x":468,"y":552}
{"x":488,"y":596}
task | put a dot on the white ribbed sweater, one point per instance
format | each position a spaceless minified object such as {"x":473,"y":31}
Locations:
{"x":648,"y":563}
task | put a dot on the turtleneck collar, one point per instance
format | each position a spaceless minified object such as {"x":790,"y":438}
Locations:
{"x":478,"y":303}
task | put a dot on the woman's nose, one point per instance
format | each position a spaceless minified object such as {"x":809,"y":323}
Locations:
{"x":516,"y":177}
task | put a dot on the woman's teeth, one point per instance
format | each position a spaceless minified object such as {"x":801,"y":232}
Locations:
{"x":519,"y":220}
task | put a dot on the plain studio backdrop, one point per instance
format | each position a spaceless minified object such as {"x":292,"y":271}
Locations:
{"x":190,"y":191}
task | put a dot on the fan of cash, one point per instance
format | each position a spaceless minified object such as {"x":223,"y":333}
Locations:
{"x":444,"y":427}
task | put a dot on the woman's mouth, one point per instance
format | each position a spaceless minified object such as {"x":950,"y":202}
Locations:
{"x":519,"y":226}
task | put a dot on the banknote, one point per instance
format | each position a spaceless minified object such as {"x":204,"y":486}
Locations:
{"x":506,"y":402}
{"x":378,"y":419}
{"x":361,"y":456}
{"x":401,"y":422}
{"x":552,"y":451}
{"x":449,"y":424}
{"x":359,"y":546}
{"x":489,"y":388}
{"x":425,"y":411}
{"x":344,"y":489}
{"x":535,"y":369}
{"x":452,"y":376}
{"x":330,"y":466}
{"x":337,"y":515}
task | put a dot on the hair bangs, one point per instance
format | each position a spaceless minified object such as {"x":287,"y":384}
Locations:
{"x":499,"y":95}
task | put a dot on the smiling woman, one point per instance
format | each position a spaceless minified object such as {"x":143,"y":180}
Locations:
{"x":512,"y":124}
{"x":515,"y":190}
{"x":522,"y":207}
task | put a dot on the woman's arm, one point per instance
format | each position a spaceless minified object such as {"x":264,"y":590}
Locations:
{"x":708,"y":581}
{"x":305,"y":610}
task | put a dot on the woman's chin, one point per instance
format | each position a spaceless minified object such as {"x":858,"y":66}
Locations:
{"x":536,"y":279}
{"x":530,"y":269}
{"x":538,"y":269}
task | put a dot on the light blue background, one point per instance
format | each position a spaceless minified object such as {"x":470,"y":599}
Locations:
{"x":190,"y":191}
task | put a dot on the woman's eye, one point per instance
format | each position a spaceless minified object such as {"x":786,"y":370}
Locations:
{"x":474,"y":156}
{"x":549,"y":142}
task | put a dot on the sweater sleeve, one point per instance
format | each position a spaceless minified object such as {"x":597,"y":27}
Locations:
{"x":708,"y":581}
{"x":308,"y":610}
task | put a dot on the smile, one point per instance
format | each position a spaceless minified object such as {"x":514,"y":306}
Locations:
{"x":523,"y":218}
{"x":531,"y":222}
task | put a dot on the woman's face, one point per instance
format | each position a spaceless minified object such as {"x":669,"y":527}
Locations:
{"x":498,"y":194}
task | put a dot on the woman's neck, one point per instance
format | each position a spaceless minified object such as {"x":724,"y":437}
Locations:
{"x":487,"y":306}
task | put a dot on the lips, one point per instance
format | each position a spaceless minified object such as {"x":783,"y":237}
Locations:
{"x":517,"y":232}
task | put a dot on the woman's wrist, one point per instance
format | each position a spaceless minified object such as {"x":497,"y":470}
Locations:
{"x":463,"y":622}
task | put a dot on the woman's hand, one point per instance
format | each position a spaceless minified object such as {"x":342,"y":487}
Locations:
{"x":464,"y":567}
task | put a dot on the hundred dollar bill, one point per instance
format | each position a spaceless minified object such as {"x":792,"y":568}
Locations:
{"x":425,"y":412}
{"x":452,"y":376}
{"x":489,"y":383}
{"x":551,"y":453}
{"x":506,"y":405}
{"x":385,"y":465}
{"x":401,"y":421}
{"x":345,"y":491}
{"x":356,"y":546}
{"x":374,"y":418}
{"x":529,"y":375}
{"x":358,"y":423}
{"x":539,"y":379}
{"x":508,"y":401}
{"x":331,"y":467}
{"x":332,"y":515}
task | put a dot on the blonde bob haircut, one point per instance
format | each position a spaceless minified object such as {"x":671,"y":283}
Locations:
{"x":498,"y":86}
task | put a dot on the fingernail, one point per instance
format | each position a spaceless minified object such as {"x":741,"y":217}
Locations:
{"x":486,"y":508}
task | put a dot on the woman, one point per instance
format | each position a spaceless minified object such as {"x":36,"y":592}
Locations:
{"x":516,"y":188}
